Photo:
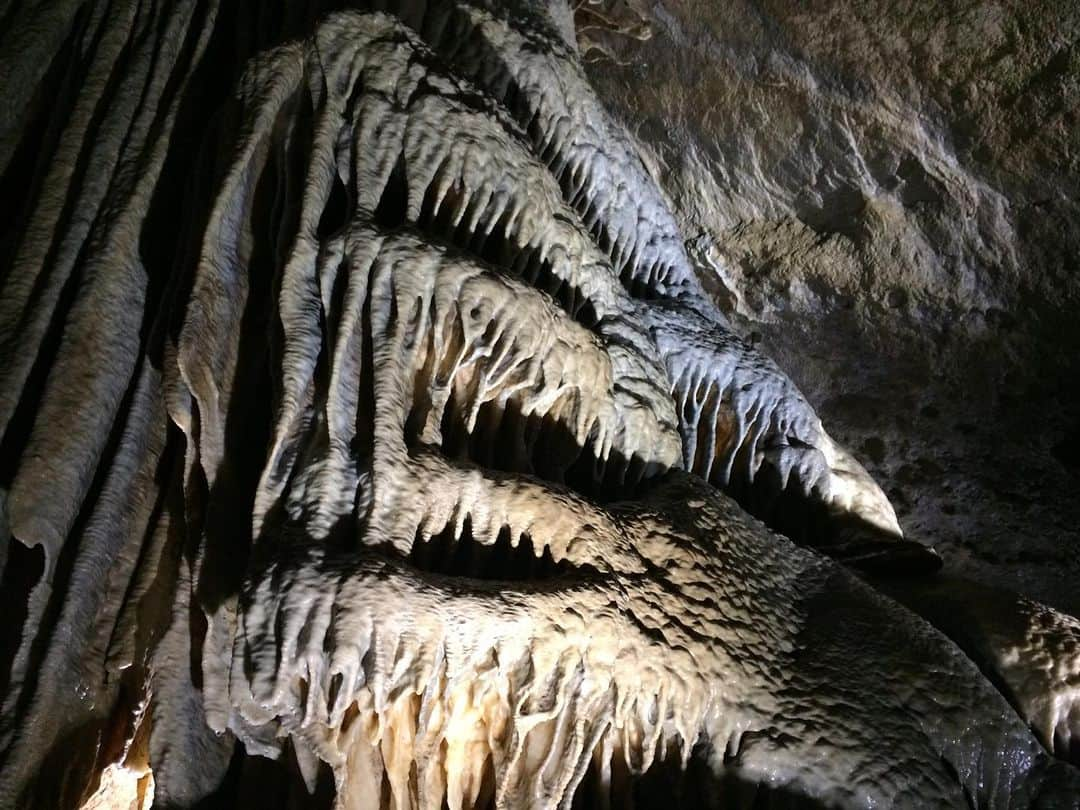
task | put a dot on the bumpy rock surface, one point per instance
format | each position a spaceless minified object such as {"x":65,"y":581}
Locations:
{"x":371,"y":434}
{"x":888,"y":195}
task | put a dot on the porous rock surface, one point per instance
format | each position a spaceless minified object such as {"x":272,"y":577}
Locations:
{"x":888,"y":193}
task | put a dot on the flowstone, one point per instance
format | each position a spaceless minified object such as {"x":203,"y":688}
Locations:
{"x":387,"y":450}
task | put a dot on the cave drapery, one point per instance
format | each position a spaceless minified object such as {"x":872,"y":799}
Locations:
{"x":370,"y":436}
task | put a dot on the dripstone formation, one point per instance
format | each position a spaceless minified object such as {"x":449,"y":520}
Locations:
{"x":370,"y":440}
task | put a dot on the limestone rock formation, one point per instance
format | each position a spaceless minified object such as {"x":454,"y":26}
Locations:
{"x":888,"y":195}
{"x":372,"y":434}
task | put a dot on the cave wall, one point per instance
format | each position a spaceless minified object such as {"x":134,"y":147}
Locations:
{"x":887,"y":196}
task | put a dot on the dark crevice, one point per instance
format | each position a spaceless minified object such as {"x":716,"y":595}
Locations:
{"x":787,"y":510}
{"x":799,"y":511}
{"x":796,"y":508}
{"x":1067,"y":451}
{"x":24,"y":569}
{"x":337,"y":211}
{"x":670,"y":784}
{"x":616,"y":478}
{"x":513,"y":100}
{"x":535,"y":444}
{"x":258,"y":781}
{"x":363,"y":446}
{"x":392,"y":210}
{"x":511,"y":557}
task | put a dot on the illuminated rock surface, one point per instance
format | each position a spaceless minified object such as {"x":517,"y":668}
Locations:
{"x":377,"y":433}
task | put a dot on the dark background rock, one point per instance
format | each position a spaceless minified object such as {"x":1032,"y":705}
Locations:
{"x":887,"y":198}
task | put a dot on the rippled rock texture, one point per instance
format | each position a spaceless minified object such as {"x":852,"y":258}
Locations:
{"x":377,"y":431}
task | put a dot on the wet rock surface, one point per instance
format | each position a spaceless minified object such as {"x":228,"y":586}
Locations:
{"x":885,"y":197}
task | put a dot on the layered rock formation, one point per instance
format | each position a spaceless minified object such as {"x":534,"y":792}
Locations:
{"x":374,"y":435}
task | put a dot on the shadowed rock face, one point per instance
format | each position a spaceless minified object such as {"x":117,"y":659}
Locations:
{"x":371,"y":438}
{"x":887,"y":192}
